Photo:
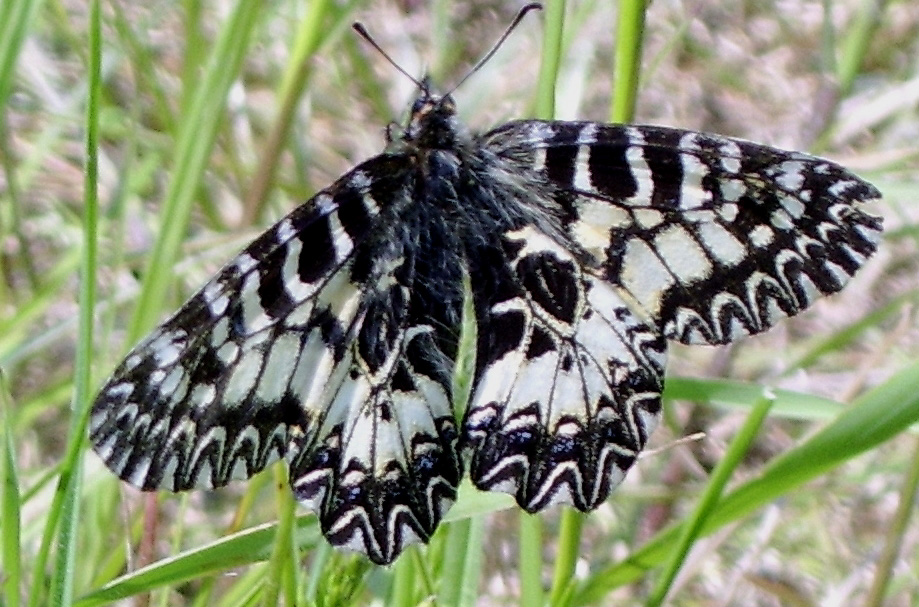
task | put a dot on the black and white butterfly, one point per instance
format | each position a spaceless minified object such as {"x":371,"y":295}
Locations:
{"x":331,"y":340}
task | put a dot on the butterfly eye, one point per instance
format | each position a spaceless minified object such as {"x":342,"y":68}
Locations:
{"x":419,"y":104}
{"x":448,"y":104}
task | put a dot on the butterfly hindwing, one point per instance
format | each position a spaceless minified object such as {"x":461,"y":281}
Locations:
{"x":568,"y":380}
{"x":382,"y":467}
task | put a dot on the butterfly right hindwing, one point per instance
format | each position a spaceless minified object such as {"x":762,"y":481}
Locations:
{"x":568,"y":380}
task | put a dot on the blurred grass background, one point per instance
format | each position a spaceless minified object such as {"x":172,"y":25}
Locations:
{"x":208,"y":120}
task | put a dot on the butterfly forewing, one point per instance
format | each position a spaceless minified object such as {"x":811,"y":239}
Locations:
{"x":709,"y":238}
{"x":215,"y":392}
{"x":331,"y":341}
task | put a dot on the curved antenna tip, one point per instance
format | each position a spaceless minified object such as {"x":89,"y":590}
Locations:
{"x":358,"y":27}
{"x":507,"y":32}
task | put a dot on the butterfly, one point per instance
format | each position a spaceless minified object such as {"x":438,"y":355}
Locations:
{"x":332,"y":339}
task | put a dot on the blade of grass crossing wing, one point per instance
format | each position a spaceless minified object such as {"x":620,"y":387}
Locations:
{"x":693,"y":524}
{"x":282,"y":568}
{"x":628,"y":52}
{"x":874,"y":418}
{"x":531,"y":536}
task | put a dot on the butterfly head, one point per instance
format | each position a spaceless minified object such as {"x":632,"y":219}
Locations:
{"x":433,"y":123}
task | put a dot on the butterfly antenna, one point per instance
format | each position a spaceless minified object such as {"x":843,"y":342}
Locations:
{"x":533,"y":6}
{"x":363,"y":33}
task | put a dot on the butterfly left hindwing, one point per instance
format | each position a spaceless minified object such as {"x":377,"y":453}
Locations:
{"x":331,"y":341}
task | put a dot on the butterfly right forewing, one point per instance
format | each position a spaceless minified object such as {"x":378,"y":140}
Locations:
{"x":709,"y":237}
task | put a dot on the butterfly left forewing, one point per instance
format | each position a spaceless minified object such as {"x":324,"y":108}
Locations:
{"x":215,"y":392}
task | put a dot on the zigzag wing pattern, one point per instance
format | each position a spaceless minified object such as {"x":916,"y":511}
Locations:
{"x":217,"y":391}
{"x":382,"y":466}
{"x":710,"y":238}
{"x":568,"y":380}
{"x":306,"y":347}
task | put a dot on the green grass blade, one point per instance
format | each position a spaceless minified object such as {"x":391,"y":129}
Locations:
{"x":473,"y":564}
{"x":282,"y":566}
{"x":462,"y":563}
{"x":856,"y":43}
{"x":10,"y":511}
{"x":16,"y":17}
{"x":313,"y":31}
{"x":874,"y":418}
{"x":567,"y":556}
{"x":629,"y":42}
{"x":17,"y":333}
{"x":197,"y":132}
{"x":244,"y":548}
{"x":531,"y":563}
{"x":741,"y":395}
{"x":405,"y":574}
{"x":848,"y":334}
{"x":693,"y":524}
{"x":551,"y":59}
{"x":67,"y":495}
{"x":531,"y":530}
{"x":896,"y":533}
